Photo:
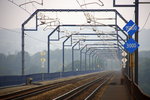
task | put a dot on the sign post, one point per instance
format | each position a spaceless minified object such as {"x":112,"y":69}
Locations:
{"x":131,"y":45}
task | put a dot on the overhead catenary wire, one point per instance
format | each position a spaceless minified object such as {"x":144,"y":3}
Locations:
{"x":20,"y":33}
{"x":92,"y":3}
{"x":42,"y":20}
{"x":30,"y":2}
{"x":145,"y":22}
{"x":85,"y":5}
{"x":88,"y":16}
{"x":69,"y":33}
{"x":26,"y":34}
{"x":35,"y":38}
{"x":91,"y":18}
{"x":33,"y":6}
{"x":19,"y":6}
{"x":80,"y":5}
{"x":9,"y":30}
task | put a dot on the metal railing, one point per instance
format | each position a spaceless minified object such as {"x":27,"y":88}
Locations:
{"x":135,"y":90}
{"x":8,"y":81}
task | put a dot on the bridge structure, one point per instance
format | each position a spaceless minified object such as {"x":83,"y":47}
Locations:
{"x":84,"y":48}
{"x":83,"y":34}
{"x":92,"y":46}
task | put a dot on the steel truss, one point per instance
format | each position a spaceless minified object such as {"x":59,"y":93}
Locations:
{"x":117,"y":14}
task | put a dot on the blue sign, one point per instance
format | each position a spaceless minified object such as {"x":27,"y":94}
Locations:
{"x":131,"y":45}
{"x":130,"y":28}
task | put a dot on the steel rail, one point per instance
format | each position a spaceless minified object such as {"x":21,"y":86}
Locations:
{"x":90,"y":96}
{"x":40,"y":89}
{"x":73,"y":93}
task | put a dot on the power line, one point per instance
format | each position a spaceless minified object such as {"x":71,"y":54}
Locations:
{"x":30,"y":2}
{"x":145,"y":22}
{"x":25,"y":34}
{"x":36,"y":38}
{"x":19,"y":6}
{"x":9,"y":30}
{"x":93,"y":19}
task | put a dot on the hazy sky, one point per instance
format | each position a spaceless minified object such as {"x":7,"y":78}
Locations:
{"x":11,"y":16}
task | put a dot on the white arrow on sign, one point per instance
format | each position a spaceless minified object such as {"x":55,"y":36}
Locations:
{"x":124,"y":54}
{"x":124,"y":60}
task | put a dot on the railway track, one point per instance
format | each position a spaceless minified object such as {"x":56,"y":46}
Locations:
{"x":86,"y":91}
{"x":40,"y":89}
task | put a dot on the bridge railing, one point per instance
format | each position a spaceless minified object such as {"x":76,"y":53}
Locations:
{"x":135,"y":91}
{"x":6,"y":81}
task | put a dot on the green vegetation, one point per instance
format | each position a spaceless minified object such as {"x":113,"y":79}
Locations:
{"x":11,"y":64}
